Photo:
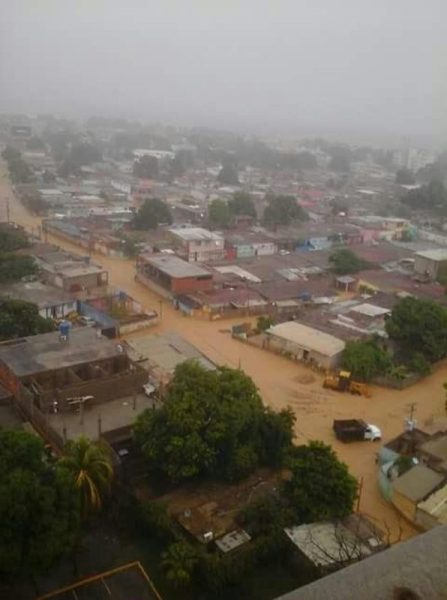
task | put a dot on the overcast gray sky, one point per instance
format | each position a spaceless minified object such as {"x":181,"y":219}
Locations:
{"x":354,"y":68}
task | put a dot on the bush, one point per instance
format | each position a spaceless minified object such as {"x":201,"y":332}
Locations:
{"x":419,"y":364}
{"x":156,"y":520}
{"x":263,"y":323}
{"x":365,"y":359}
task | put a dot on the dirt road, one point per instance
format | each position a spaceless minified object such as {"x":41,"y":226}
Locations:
{"x":284,"y":383}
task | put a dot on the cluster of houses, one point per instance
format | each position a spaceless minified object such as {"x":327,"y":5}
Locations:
{"x":413,"y":476}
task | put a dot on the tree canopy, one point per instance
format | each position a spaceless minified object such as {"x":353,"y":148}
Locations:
{"x":432,"y":196}
{"x":12,"y":239}
{"x":321,"y":487}
{"x":80,"y":153}
{"x":419,"y":326}
{"x":345,"y":261}
{"x":242,"y":204}
{"x":91,"y":467}
{"x":341,"y":157}
{"x":179,"y":562}
{"x":405,"y":177}
{"x":212,"y":423}
{"x":15,"y":266}
{"x":19,"y":318}
{"x":228,"y":175}
{"x":283,"y":210}
{"x":19,"y":170}
{"x":146,"y":167}
{"x":365,"y":359}
{"x":151,"y":214}
{"x":219,"y":214}
{"x":39,"y":507}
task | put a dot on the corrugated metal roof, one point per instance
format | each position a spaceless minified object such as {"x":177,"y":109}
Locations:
{"x":436,"y":505}
{"x":437,"y":255}
{"x":196,"y":233}
{"x":175,"y":267}
{"x":418,"y":564}
{"x":417,"y":483}
{"x":308,"y":338}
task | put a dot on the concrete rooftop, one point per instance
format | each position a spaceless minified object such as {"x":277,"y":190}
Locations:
{"x":45,"y":352}
{"x":114,"y":414}
{"x":175,"y":267}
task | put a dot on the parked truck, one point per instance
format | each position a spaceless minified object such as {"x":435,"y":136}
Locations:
{"x":353,"y":430}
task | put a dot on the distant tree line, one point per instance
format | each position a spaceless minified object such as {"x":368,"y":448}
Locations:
{"x":280,"y":210}
{"x":19,"y":170}
{"x":429,"y":197}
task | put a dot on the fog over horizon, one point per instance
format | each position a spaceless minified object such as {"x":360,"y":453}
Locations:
{"x":353,"y":69}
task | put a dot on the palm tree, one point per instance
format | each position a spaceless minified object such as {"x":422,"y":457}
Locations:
{"x":178,"y":562}
{"x":90,"y":463}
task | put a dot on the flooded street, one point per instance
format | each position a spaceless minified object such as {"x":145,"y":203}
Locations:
{"x":282,"y":382}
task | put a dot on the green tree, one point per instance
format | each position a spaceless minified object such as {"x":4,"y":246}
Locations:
{"x":39,"y":508}
{"x":155,"y":518}
{"x":35,"y":143}
{"x":263,"y":323}
{"x":179,"y":562}
{"x":276,"y":433}
{"x":146,"y":168}
{"x":283,"y":210}
{"x":91,"y":467}
{"x":263,"y":515}
{"x":84,"y":153}
{"x":405,"y":177}
{"x":35,"y":203}
{"x":344,"y":261}
{"x":432,"y":196}
{"x":13,"y":267}
{"x":12,"y":239}
{"x":212,"y":423}
{"x":219,"y":214}
{"x":242,"y":204}
{"x":19,"y":319}
{"x":151,"y":214}
{"x":419,"y":326}
{"x":19,"y":171}
{"x":341,"y":157}
{"x":321,"y":487}
{"x":129,"y":247}
{"x":365,"y":359}
{"x":228,"y":175}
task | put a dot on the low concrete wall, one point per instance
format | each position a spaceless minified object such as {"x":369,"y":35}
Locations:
{"x":102,"y":389}
{"x":136,"y":325}
{"x":397,"y":384}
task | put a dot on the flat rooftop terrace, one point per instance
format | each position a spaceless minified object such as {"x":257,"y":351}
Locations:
{"x":100,"y":418}
{"x":46,"y":352}
{"x":175,"y":267}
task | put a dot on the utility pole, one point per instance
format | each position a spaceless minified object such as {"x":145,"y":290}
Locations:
{"x":411,"y":426}
{"x":7,"y":210}
{"x":359,"y":497}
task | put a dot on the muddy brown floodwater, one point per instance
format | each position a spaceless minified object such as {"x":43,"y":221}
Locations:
{"x":283,"y":382}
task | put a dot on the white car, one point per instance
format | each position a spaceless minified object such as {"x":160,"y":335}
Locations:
{"x":372,"y":432}
{"x":87,"y":321}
